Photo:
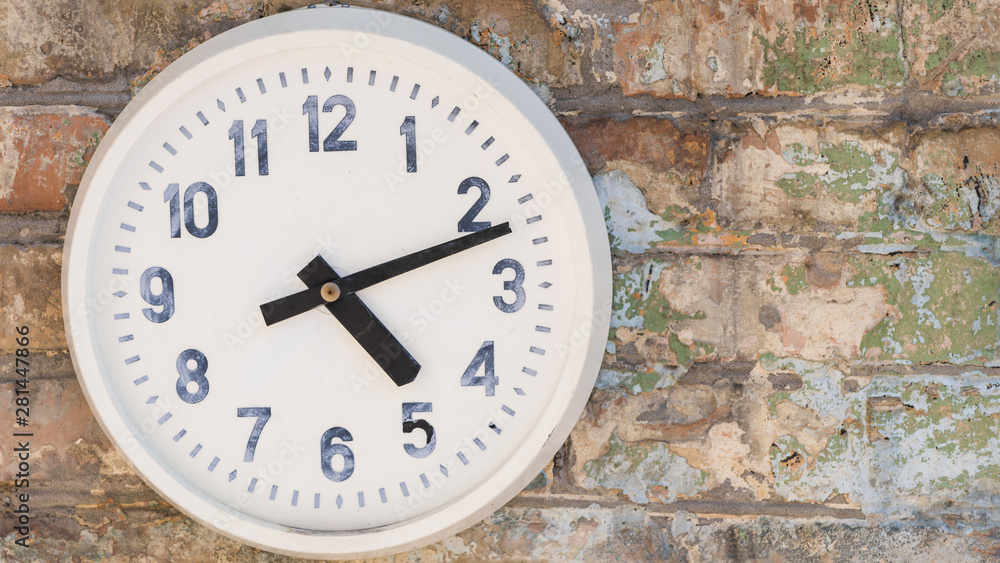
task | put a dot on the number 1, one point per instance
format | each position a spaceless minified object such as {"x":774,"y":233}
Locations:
{"x":409,"y":128}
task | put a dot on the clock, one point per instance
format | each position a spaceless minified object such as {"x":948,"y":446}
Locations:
{"x":336,"y":283}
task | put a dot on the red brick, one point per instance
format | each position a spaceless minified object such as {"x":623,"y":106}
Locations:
{"x":655,"y":142}
{"x":41,"y":153}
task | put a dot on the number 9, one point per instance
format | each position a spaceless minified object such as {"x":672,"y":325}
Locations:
{"x":165,"y":298}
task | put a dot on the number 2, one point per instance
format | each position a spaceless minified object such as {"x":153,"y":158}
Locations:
{"x":468,"y":224}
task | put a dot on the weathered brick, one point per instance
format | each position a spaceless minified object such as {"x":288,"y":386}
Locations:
{"x":689,"y":48}
{"x":530,"y":534}
{"x":657,"y":439}
{"x":954,"y":182}
{"x":942,"y":308}
{"x":649,"y":141}
{"x":706,"y":308}
{"x":98,"y":40}
{"x":796,"y":176}
{"x":834,"y":437}
{"x":805,"y":321}
{"x":42,"y":152}
{"x":952,"y":47}
{"x":30,"y":296}
{"x":66,"y":444}
{"x":42,"y":40}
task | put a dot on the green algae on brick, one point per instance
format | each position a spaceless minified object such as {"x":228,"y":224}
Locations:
{"x":806,"y":59}
{"x":945,"y":303}
{"x":952,"y":204}
{"x":793,"y":279}
{"x":658,"y":377}
{"x":639,"y":302}
{"x":800,"y":475}
{"x":852,"y":171}
{"x":687,"y":353}
{"x":943,"y":437}
{"x":834,"y":470}
{"x":937,"y":8}
{"x":636,"y":468}
{"x":772,"y":403}
{"x":973,"y":68}
{"x":798,"y":184}
{"x":945,"y":46}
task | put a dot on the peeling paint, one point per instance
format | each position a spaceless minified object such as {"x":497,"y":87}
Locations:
{"x":631,"y":226}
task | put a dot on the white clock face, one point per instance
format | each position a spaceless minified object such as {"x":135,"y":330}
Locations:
{"x":266,"y":173}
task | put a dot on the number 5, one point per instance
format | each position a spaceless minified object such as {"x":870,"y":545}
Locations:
{"x":409,"y":425}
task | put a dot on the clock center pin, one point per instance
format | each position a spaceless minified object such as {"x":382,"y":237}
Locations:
{"x":331,"y":292}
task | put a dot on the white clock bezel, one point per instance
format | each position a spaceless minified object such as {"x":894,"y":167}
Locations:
{"x":400,"y":36}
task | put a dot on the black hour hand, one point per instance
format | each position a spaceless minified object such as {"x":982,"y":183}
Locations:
{"x":364,"y":326}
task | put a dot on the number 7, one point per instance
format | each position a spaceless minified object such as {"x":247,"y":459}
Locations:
{"x":263,"y":414}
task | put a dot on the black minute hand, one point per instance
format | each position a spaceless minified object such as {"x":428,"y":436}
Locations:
{"x":306,"y":300}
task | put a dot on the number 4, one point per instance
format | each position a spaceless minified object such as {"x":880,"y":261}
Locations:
{"x":484,"y":357}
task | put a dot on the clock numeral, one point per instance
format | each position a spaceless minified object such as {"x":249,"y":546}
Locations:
{"x":328,"y":449}
{"x":164,"y":298}
{"x":409,"y":129}
{"x":172,"y":195}
{"x":484,"y":357}
{"x":192,"y":385}
{"x":263,"y":414}
{"x":409,"y":425}
{"x":468,"y":224}
{"x":332,"y":141}
{"x":515,"y":285}
{"x":259,"y":132}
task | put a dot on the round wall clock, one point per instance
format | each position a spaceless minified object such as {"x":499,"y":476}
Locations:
{"x":336,"y":283}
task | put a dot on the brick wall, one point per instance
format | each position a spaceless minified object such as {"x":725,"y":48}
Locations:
{"x":802,"y":198}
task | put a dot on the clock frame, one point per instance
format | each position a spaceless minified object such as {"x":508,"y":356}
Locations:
{"x":344,"y":32}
